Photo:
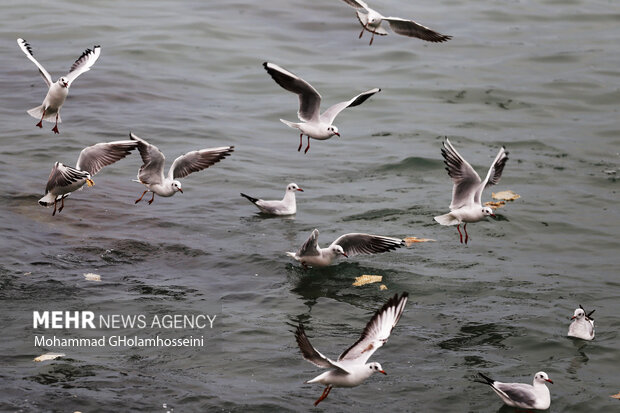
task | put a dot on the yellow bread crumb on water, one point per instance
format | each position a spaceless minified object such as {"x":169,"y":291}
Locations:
{"x":383,"y":287}
{"x":409,"y":241}
{"x":92,"y":277}
{"x":505,"y":195}
{"x":495,"y":205}
{"x":49,"y":356}
{"x":367,"y":279}
{"x":616,"y":396}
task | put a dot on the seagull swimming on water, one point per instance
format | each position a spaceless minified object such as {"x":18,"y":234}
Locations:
{"x":49,"y":110}
{"x":371,"y":20}
{"x":151,"y":173}
{"x":466,"y":203}
{"x":65,"y":179}
{"x":350,"y":369}
{"x":523,"y":396}
{"x":313,"y":124}
{"x":348,"y":245}
{"x":287,"y":206}
{"x":582,"y":325}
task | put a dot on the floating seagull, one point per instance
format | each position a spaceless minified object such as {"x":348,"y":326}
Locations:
{"x":314,"y":124}
{"x":348,"y":245}
{"x":58,"y":91}
{"x":287,"y":206}
{"x":522,"y":395}
{"x":64,"y":179}
{"x":151,"y":173}
{"x":351,"y":369}
{"x":371,"y":20}
{"x":466,"y":203}
{"x":582,"y":325}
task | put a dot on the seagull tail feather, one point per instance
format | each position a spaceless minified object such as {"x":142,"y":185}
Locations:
{"x":50,"y":116}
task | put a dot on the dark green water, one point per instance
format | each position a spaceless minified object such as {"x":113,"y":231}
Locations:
{"x":541,"y":78}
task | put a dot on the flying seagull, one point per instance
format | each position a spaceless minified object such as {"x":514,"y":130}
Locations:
{"x":313,"y":124}
{"x":467,"y":190}
{"x":348,"y":245}
{"x":65,"y":179}
{"x":151,"y":173}
{"x":49,"y":110}
{"x":371,"y":20}
{"x":351,"y":369}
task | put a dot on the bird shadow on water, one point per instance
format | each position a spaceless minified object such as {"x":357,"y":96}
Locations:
{"x":336,"y":282}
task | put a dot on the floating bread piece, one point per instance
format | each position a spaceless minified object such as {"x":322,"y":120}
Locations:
{"x":383,"y":287}
{"x":367,"y":279}
{"x":616,"y":396}
{"x":495,"y":205}
{"x":409,"y":241}
{"x":505,"y":195}
{"x":92,"y":277}
{"x":49,"y":356}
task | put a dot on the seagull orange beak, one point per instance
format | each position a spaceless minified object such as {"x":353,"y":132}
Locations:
{"x":180,"y":190}
{"x":300,"y":190}
{"x":549,"y":380}
{"x":337,"y":134}
{"x":572,"y":318}
{"x":383,"y":371}
{"x":493,"y":215}
{"x":345,"y":254}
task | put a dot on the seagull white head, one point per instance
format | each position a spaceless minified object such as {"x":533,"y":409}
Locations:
{"x":376,"y":368}
{"x":579,"y":314}
{"x":62,"y":81}
{"x":333,"y":130}
{"x":337,"y":249}
{"x":176,"y":185}
{"x":292,"y":187}
{"x":541,"y":377}
{"x":488,"y":211}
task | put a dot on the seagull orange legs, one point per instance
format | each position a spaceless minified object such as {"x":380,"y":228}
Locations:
{"x":142,"y":196}
{"x":365,"y":27}
{"x":55,"y":128}
{"x":62,"y":205}
{"x":301,"y":143}
{"x":140,"y":199}
{"x":458,"y":227}
{"x":40,"y":124}
{"x":324,"y":395}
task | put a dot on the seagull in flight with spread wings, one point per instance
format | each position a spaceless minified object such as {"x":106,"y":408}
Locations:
{"x":371,"y":20}
{"x":65,"y":179}
{"x":351,"y":369}
{"x":49,"y":110}
{"x":466,"y":203}
{"x":151,"y":173}
{"x":348,"y":245}
{"x":313,"y":124}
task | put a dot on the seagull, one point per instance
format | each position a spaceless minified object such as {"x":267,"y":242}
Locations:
{"x":582,"y":325}
{"x":287,"y":206}
{"x":314,"y":124}
{"x":350,"y":369}
{"x":64,"y":179}
{"x":371,"y":20}
{"x":522,"y":395}
{"x":466,"y":203}
{"x":151,"y":173}
{"x":348,"y":245}
{"x":58,"y":91}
